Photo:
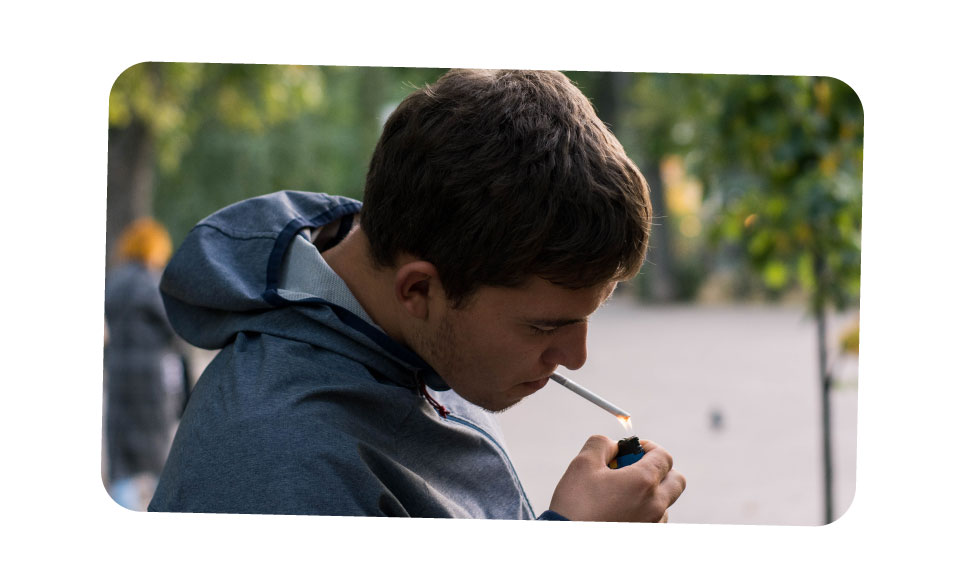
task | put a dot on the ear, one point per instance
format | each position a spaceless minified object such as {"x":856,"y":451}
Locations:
{"x":416,"y":282}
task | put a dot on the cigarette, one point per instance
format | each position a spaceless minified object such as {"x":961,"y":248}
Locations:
{"x":604,"y":404}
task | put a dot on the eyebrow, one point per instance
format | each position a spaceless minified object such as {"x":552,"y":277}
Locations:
{"x":562,"y":322}
{"x":555,"y":323}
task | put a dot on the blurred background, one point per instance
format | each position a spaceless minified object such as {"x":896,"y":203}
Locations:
{"x":735,"y":348}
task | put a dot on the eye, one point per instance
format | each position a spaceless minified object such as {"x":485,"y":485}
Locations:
{"x":542,"y":330}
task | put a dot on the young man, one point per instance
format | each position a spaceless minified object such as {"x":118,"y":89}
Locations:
{"x":365,"y":348}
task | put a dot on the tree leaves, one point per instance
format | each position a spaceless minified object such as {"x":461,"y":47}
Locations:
{"x":798,"y":179}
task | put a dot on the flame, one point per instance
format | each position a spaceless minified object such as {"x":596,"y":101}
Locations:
{"x":625,"y":421}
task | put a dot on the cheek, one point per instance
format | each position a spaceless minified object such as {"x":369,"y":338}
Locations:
{"x":499,"y":355}
{"x":518,"y":360}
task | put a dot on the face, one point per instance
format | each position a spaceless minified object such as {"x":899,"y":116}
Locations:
{"x":504,"y":344}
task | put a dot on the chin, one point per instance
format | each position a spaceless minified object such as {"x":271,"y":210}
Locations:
{"x":510,"y":400}
{"x":502,"y":407}
{"x":496,"y":404}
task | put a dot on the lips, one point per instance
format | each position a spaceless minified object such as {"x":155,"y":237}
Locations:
{"x":536,"y":384}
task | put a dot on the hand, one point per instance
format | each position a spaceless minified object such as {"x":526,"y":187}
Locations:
{"x":639,"y":492}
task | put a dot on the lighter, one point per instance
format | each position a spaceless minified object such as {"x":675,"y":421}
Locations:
{"x":628,"y":451}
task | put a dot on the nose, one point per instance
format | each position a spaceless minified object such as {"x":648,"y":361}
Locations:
{"x":568,"y":349}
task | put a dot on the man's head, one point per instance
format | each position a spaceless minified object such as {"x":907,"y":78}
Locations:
{"x":497,"y":176}
{"x":508,"y":212}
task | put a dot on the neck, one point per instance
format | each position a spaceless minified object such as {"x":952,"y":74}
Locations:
{"x":373,"y":287}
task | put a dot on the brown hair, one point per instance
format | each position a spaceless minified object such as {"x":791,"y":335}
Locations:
{"x":495,"y":176}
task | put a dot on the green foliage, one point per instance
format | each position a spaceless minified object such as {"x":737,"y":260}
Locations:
{"x":785,"y":168}
{"x":225,"y":132}
{"x":175,"y":100}
{"x":779,"y":159}
{"x":158,"y":95}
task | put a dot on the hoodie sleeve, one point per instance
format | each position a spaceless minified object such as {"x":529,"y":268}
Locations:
{"x":551,"y":515}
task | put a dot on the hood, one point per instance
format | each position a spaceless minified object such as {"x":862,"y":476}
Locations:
{"x":227,"y":278}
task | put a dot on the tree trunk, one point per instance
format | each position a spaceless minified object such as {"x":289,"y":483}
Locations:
{"x":371,"y":102}
{"x":660,"y":264}
{"x":609,"y":103}
{"x":130,"y":179}
{"x":820,"y":311}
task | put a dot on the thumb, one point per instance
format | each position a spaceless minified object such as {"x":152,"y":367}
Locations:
{"x":600,"y":448}
{"x":648,"y":445}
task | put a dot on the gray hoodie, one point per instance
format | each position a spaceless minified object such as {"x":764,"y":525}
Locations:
{"x":310,"y":408}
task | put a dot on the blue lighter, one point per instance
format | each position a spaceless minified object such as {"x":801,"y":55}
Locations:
{"x":628,"y":451}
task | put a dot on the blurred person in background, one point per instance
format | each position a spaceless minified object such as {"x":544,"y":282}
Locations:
{"x":144,"y":371}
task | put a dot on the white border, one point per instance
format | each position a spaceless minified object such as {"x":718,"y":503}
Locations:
{"x":60,"y":64}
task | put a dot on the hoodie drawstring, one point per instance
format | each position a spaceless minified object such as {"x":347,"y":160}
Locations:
{"x":435,"y":403}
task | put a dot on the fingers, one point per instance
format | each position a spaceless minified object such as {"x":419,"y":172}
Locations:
{"x":656,"y":463}
{"x":660,"y":483}
{"x":639,"y":492}
{"x":656,"y":458}
{"x":673,"y":486}
{"x":660,"y":498}
{"x":649,"y":447}
{"x":598,"y":446}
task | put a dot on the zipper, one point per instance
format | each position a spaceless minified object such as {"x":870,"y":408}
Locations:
{"x":512,"y":469}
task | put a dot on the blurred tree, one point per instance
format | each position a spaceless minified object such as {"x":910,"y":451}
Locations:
{"x":784,"y":166}
{"x":670,"y":120}
{"x":639,"y":114}
{"x":156,"y":111}
{"x":326,"y":148}
{"x":186,"y":139}
{"x":659,"y":116}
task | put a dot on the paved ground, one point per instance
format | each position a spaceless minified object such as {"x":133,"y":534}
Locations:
{"x":673,"y":368}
